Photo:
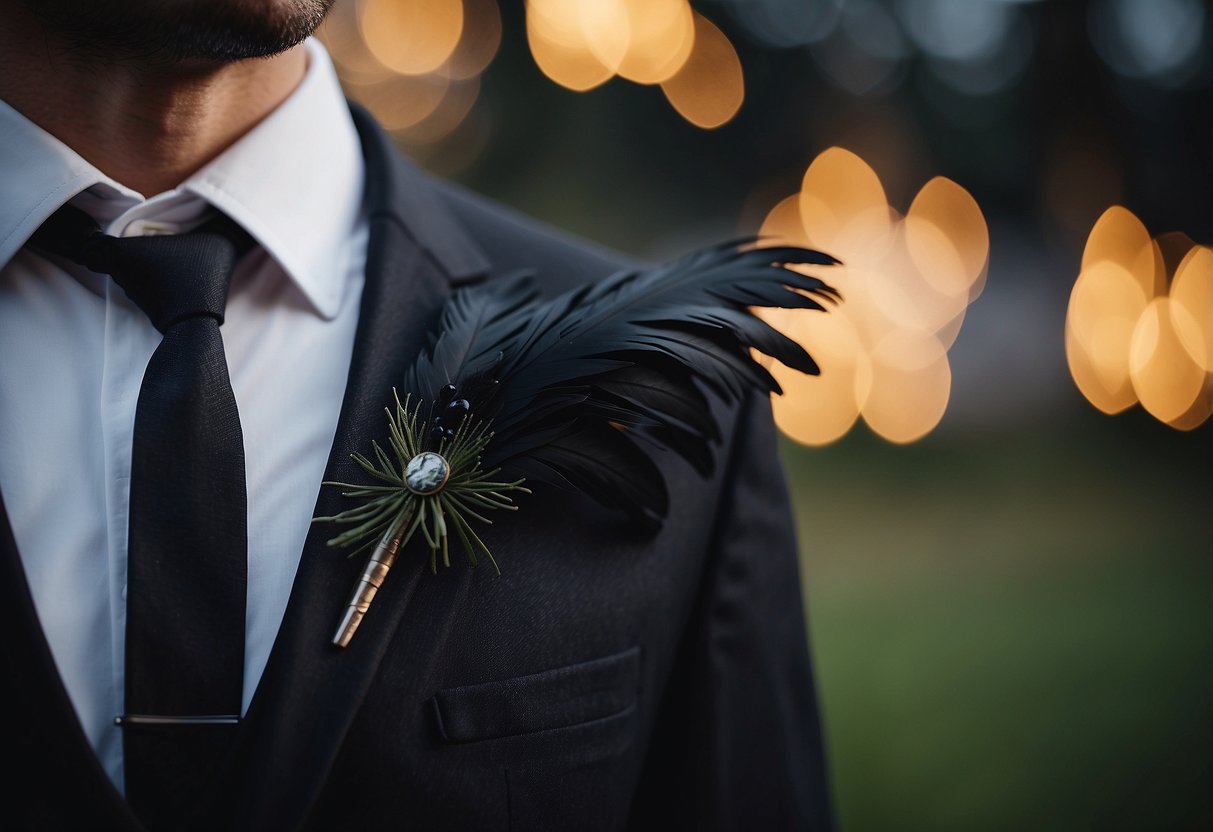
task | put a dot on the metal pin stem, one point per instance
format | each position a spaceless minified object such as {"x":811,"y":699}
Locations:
{"x":372,"y":577}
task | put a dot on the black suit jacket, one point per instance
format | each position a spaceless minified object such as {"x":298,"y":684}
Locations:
{"x":608,"y":679}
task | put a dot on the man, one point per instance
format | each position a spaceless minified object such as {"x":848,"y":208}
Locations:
{"x":608,"y":679}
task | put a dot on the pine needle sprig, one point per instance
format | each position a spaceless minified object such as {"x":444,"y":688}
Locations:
{"x":397,"y":510}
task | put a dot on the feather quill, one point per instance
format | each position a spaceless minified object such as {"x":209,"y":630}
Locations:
{"x":578,"y":389}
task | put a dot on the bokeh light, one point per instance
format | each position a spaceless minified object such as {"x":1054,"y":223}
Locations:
{"x":1137,"y":331}
{"x":1192,"y":291}
{"x":582,"y":45}
{"x":906,"y":282}
{"x":1105,"y":306}
{"x":1154,"y":40}
{"x":402,"y":58}
{"x":562,"y":47}
{"x":413,"y":37}
{"x":816,"y":410}
{"x":415,"y":64}
{"x":707,"y":90}
{"x":663,"y":33}
{"x":977,"y":48}
{"x":1167,"y":381}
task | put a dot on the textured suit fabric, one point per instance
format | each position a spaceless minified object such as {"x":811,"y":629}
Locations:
{"x":608,"y":679}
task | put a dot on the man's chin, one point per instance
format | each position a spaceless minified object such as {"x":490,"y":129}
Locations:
{"x":190,"y":32}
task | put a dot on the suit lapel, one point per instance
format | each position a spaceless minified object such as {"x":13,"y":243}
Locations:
{"x":310,"y":689}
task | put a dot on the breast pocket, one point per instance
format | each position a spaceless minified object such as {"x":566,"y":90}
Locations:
{"x":560,"y":739}
{"x":564,"y":697}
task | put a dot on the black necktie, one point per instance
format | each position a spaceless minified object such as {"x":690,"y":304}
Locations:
{"x":186,"y":567}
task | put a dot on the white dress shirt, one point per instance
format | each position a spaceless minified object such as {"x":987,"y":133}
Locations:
{"x":73,"y":349}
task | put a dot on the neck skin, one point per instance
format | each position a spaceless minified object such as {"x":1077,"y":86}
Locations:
{"x":147,"y":127}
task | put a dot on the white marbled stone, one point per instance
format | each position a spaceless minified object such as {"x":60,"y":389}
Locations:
{"x":426,"y":473}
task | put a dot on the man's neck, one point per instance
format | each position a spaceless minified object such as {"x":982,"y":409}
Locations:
{"x":146,"y":125}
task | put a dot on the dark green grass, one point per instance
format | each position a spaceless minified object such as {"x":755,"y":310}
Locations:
{"x":1013,"y":632}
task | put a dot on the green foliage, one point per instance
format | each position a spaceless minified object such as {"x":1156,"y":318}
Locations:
{"x":469,"y":493}
{"x":1012,"y":631}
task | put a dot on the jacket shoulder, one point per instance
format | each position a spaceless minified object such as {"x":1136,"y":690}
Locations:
{"x":514,"y":241}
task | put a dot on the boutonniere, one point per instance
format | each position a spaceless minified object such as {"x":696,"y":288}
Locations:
{"x":571,"y":391}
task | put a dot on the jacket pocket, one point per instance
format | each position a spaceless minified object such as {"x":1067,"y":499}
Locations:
{"x":559,"y":698}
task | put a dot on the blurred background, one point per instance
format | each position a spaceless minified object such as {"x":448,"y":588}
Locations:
{"x":1003,"y":477}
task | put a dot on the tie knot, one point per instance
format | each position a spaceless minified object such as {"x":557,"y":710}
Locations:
{"x":170,"y":277}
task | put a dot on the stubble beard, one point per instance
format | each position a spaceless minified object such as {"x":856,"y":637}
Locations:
{"x":180,"y":32}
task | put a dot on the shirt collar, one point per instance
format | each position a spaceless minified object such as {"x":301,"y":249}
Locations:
{"x":294,"y":182}
{"x":38,"y":173}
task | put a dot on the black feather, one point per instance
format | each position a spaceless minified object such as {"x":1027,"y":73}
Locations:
{"x":602,"y":462}
{"x":579,"y":388}
{"x":474,"y":329}
{"x":670,"y":396}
